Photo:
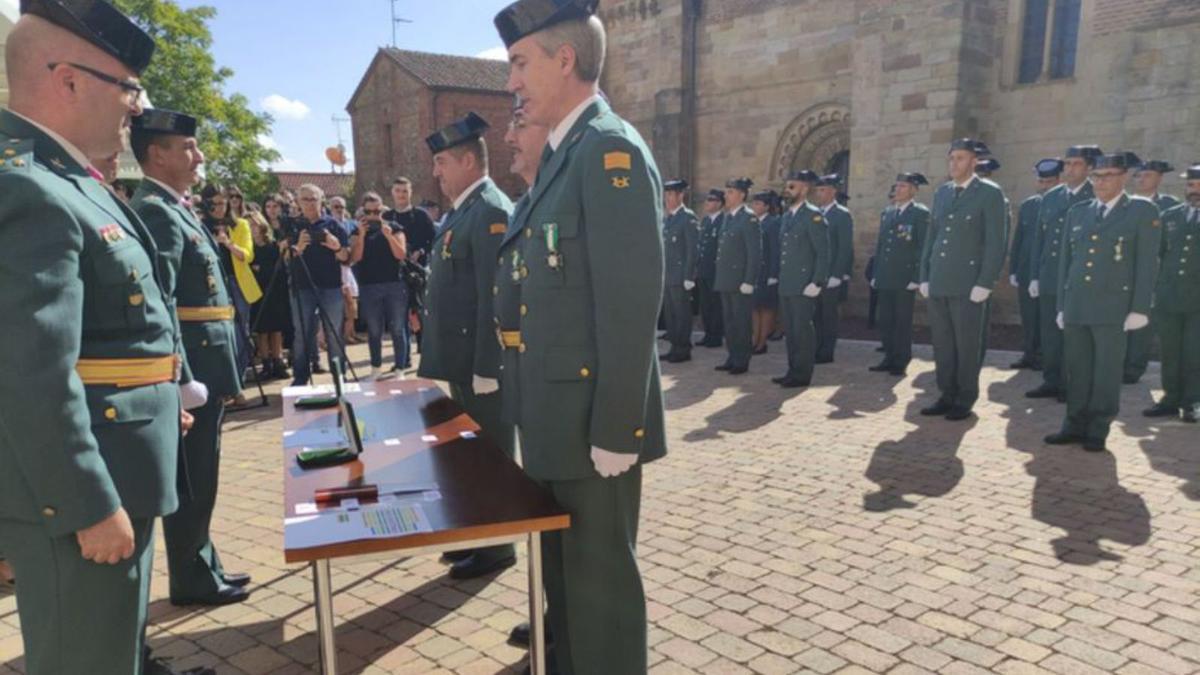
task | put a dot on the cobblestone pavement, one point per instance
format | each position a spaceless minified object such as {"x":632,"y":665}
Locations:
{"x":822,"y":530}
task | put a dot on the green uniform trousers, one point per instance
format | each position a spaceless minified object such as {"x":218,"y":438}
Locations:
{"x":826,"y":319}
{"x":1052,"y":342}
{"x":485,"y":410}
{"x":895,"y":326}
{"x":1179,"y":333}
{"x":195,"y":568}
{"x":710,"y":310}
{"x":78,"y":616}
{"x":796,"y":314}
{"x":1138,"y":346}
{"x":1031,"y":336}
{"x":957,"y":325}
{"x":1093,"y":374}
{"x":597,"y":606}
{"x":737,"y":313}
{"x":677,"y":311}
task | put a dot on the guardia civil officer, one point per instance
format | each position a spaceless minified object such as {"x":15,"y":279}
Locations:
{"x":803,"y":270}
{"x":578,"y":293}
{"x":1106,"y":282}
{"x":739,"y":256}
{"x":1047,"y":246}
{"x":164,"y":144}
{"x":681,"y":244}
{"x":1020,"y":262}
{"x":709,"y":298}
{"x":902,"y":232}
{"x":960,"y":263}
{"x":89,"y":400}
{"x":460,"y":340}
{"x":1147,"y":181}
{"x":1177,"y":306}
{"x":841,"y":264}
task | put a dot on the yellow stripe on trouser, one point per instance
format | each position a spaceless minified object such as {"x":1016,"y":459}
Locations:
{"x":127,"y":372}
{"x":205,"y":313}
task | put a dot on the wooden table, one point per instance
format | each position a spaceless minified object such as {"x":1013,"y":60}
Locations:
{"x":414,"y":434}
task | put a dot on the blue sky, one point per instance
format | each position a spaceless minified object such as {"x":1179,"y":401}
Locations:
{"x":300,"y":60}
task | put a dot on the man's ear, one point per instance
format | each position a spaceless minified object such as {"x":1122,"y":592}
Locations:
{"x":566,"y":58}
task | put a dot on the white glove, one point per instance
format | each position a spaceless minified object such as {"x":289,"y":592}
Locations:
{"x":746,"y":289}
{"x":1136,"y":321}
{"x":1012,"y":280}
{"x":193,"y":394}
{"x":834,"y":282}
{"x":484,"y":385}
{"x":979,"y":294}
{"x":611,"y":464}
{"x":872,"y":283}
{"x":924,"y":288}
{"x":912,"y":286}
{"x":812,"y":291}
{"x":772,"y":281}
{"x":688,"y":285}
{"x":1062,"y":324}
{"x":1034,"y":289}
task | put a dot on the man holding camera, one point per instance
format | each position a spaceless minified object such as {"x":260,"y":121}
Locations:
{"x":319,"y":247}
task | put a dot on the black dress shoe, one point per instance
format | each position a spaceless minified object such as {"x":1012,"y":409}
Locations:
{"x":226,"y":595}
{"x":1191,"y":415}
{"x":739,"y":370}
{"x":152,"y":665}
{"x":780,"y":379}
{"x":1130,"y":379}
{"x":881,"y":367}
{"x":521,"y":635}
{"x":679,"y":358}
{"x":478,"y":566}
{"x":1042,"y":391}
{"x":1161,"y":410}
{"x":1094,"y":445}
{"x":761,"y":350}
{"x":1062,"y":397}
{"x":898,"y":372}
{"x":236,"y":579}
{"x":794,"y":383}
{"x":823,"y":359}
{"x":451,"y":557}
{"x":666,"y":357}
{"x":880,"y":348}
{"x":937,"y":409}
{"x":959,"y":413}
{"x":1063,"y":438}
{"x":775,"y":337}
{"x":723,"y":366}
{"x":1021,"y":364}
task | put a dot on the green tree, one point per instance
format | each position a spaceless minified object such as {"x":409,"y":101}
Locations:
{"x":184,"y":76}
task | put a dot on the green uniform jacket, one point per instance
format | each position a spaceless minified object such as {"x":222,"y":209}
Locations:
{"x":192,"y":277}
{"x":1052,"y":221}
{"x":459,"y":318}
{"x":841,"y":241}
{"x":803,"y":250}
{"x":77,"y":279}
{"x":710,"y":240}
{"x":967,"y":239}
{"x":1020,"y":259}
{"x":1166,"y":202}
{"x":739,"y":254}
{"x":1107,"y":268}
{"x":901,"y":242}
{"x":1179,"y":275}
{"x":586,"y":373}
{"x":681,"y":246}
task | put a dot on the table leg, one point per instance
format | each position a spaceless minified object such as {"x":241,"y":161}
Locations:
{"x":537,"y":607}
{"x":323,"y":597}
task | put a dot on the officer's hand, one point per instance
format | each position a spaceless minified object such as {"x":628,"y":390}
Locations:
{"x":303,"y":241}
{"x":912,"y":286}
{"x":980,"y":294}
{"x":484,"y":385}
{"x":222,"y":237}
{"x":414,"y":322}
{"x":611,"y":464}
{"x":1034,"y":289}
{"x":1136,"y":321}
{"x":834,"y":282}
{"x":924,"y":288}
{"x":193,"y":394}
{"x":872,"y":283}
{"x":812,"y":291}
{"x":772,"y":281}
{"x":186,"y":421}
{"x":1012,"y":280}
{"x":688,"y":284}
{"x":746,"y":289}
{"x":109,"y":541}
{"x":331,"y":242}
{"x":1059,"y":321}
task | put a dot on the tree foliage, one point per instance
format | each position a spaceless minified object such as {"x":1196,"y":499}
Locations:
{"x":184,"y":76}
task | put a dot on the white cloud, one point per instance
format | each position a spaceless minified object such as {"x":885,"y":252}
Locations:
{"x":285,"y":108}
{"x":267,"y":142}
{"x":493,"y":54}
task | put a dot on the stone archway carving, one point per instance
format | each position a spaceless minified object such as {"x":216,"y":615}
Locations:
{"x":817,"y":139}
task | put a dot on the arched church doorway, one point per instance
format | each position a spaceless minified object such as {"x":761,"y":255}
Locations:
{"x":817,"y":139}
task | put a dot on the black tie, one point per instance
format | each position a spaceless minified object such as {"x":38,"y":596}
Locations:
{"x":1103,"y":211}
{"x":547,"y":153}
{"x":1195,"y":219}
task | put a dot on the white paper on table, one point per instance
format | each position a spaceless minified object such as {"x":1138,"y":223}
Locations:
{"x":314,"y":389}
{"x":379,"y":521}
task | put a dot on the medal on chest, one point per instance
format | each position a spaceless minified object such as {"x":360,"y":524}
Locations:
{"x":1119,"y":250}
{"x":553,"y":257}
{"x":446,"y":245}
{"x":516,"y":266}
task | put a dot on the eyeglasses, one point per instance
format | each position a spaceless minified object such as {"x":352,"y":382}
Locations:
{"x":127,"y":86}
{"x":372,"y":212}
{"x":338,"y":207}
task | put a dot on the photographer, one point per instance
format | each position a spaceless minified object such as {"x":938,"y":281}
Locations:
{"x":319,"y":247}
{"x":377,"y":249}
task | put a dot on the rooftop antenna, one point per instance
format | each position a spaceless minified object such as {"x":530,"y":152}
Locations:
{"x":396,"y":20}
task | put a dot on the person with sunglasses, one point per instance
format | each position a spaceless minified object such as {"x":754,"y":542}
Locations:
{"x":377,"y":249}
